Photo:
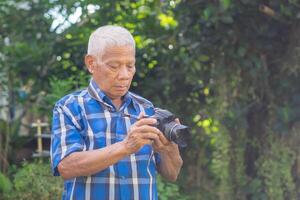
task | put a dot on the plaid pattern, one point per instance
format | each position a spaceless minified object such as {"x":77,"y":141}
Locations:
{"x":87,"y":120}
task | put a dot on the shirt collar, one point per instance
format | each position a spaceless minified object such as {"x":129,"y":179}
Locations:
{"x":100,"y":96}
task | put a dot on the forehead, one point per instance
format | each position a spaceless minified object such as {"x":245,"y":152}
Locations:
{"x":119,"y":53}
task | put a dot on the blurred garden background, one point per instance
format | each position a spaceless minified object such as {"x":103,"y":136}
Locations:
{"x":230,"y":69}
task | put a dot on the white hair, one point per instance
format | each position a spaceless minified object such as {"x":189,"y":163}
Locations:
{"x":108,"y":36}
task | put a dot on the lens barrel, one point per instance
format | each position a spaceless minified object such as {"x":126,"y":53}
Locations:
{"x":176,"y":133}
{"x":170,"y":128}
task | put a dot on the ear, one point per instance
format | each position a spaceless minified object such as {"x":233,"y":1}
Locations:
{"x":90,"y":63}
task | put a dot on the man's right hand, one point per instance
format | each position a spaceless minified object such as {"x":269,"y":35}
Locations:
{"x":141,"y":132}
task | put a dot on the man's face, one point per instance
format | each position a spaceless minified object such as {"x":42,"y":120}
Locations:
{"x":114,"y":72}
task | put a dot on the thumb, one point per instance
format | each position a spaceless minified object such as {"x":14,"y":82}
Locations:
{"x":177,"y":121}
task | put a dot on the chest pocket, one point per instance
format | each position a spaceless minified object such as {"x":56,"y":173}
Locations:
{"x":98,"y":127}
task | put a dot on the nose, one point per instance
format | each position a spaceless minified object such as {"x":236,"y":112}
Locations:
{"x":124,"y":73}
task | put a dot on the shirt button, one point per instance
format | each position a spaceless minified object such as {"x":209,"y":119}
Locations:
{"x":122,"y":177}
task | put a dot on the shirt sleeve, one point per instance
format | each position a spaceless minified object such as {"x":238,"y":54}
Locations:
{"x":65,"y":138}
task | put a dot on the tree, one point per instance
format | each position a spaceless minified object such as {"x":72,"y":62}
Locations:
{"x":228,"y":69}
{"x":244,"y":56}
{"x":26,"y":57}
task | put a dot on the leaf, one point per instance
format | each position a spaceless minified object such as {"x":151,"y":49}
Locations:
{"x":5,"y":184}
{"x":226,"y":3}
{"x":204,"y":58}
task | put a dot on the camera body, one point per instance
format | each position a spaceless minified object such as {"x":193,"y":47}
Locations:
{"x":170,"y":128}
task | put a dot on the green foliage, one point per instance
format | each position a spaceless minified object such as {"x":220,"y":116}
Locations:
{"x":220,"y":164}
{"x":59,"y":88}
{"x":168,"y":190}
{"x":275,"y":168}
{"x":228,"y":69}
{"x":237,"y":50}
{"x":5,"y":185}
{"x":35,"y":181}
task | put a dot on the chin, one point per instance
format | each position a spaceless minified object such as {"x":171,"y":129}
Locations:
{"x":119,"y":94}
{"x":124,"y":93}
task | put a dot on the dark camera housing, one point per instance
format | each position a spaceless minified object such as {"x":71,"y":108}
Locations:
{"x":170,"y":128}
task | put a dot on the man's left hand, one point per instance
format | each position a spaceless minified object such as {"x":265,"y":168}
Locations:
{"x":162,"y":144}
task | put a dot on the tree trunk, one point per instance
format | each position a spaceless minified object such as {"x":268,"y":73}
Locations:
{"x":8,"y":123}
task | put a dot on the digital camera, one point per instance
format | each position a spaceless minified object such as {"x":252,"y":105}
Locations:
{"x":170,"y":128}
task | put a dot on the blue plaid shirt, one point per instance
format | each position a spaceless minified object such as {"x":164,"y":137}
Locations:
{"x":87,"y":120}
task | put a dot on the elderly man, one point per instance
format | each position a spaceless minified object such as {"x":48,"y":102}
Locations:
{"x":101,"y":144}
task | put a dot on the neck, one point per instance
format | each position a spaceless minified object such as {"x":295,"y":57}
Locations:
{"x":117,"y":102}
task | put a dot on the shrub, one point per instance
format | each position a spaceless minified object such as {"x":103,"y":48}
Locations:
{"x":5,"y":185}
{"x":167,"y":190}
{"x":35,"y":181}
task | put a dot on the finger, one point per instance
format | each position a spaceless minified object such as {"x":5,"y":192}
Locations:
{"x":145,"y":121}
{"x":162,"y":138}
{"x":146,"y":128}
{"x":149,"y":135}
{"x":143,"y":129}
{"x":177,"y":121}
{"x":157,"y":143}
{"x":132,"y":129}
{"x":147,"y":141}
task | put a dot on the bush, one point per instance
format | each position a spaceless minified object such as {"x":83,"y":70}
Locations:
{"x":5,"y":185}
{"x":167,"y":190}
{"x":35,"y":181}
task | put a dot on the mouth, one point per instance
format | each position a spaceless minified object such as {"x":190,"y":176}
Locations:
{"x":121,"y":87}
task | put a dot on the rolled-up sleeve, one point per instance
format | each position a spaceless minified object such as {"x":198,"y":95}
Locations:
{"x":65,"y":137}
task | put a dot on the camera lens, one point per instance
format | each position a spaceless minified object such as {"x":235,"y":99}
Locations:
{"x":172,"y":131}
{"x":177,"y":133}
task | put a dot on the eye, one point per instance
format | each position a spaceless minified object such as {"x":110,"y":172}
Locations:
{"x":131,"y":66}
{"x":113,"y":65}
